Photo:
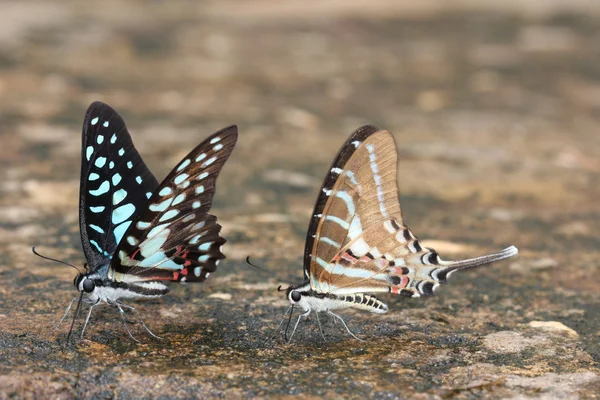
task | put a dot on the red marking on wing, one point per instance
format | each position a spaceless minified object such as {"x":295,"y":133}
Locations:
{"x":175,"y":275}
{"x":348,"y":257}
{"x":395,"y":270}
{"x":184,"y":271}
{"x":397,"y":288}
{"x":134,"y":253}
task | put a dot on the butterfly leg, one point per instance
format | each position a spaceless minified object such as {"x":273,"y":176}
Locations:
{"x":87,"y":319}
{"x":320,"y":328}
{"x":305,"y":315}
{"x":289,"y":310}
{"x":140,"y":318}
{"x":65,"y":314}
{"x":345,"y":326}
{"x":122,"y":314}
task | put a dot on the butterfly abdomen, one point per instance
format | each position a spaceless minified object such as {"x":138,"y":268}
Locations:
{"x":111,"y":292}
{"x":316,"y":301}
{"x":366,"y":302}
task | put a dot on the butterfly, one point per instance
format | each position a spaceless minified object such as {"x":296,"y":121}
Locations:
{"x":357,"y":242}
{"x":138,"y":234}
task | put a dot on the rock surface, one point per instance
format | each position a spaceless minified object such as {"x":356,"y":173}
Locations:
{"x":494,"y":108}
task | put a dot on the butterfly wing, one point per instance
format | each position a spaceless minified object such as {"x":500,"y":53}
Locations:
{"x":174,"y":237}
{"x":349,"y":202}
{"x":115,"y":183}
{"x":357,"y":240}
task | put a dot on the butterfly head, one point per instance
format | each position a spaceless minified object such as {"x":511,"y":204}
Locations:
{"x":293,"y":295}
{"x":298,"y":295}
{"x":83,"y":283}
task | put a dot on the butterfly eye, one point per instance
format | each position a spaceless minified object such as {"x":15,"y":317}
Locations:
{"x":295,"y":296}
{"x":88,"y":285}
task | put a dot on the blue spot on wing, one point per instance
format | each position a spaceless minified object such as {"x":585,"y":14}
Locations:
{"x":159,"y":260}
{"x":104,"y":187}
{"x":119,"y":231}
{"x":95,"y":244}
{"x":122,"y":213}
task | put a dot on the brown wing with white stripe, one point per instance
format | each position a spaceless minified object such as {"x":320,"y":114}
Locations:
{"x":357,"y":241}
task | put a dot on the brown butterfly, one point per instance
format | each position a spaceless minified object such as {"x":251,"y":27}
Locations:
{"x":357,"y":242}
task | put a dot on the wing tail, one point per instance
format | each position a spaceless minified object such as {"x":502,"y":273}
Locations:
{"x":452,"y":266}
{"x":412,"y":281}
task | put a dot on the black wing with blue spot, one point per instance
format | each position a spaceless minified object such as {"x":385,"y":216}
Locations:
{"x":174,"y":237}
{"x":115,"y":184}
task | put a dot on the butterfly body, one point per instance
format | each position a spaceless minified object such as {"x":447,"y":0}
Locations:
{"x":310,"y":300}
{"x":138,"y":234}
{"x":99,"y":288}
{"x":357,"y":242}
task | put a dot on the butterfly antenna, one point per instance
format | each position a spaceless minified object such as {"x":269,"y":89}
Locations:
{"x":75,"y":316}
{"x":53,"y":259}
{"x":255,"y":266}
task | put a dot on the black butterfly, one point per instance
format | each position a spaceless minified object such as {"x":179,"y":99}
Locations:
{"x":137,"y":234}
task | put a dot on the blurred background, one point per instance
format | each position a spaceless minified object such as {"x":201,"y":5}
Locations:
{"x":495,"y":108}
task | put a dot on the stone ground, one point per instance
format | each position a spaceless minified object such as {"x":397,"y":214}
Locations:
{"x":495,"y":110}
